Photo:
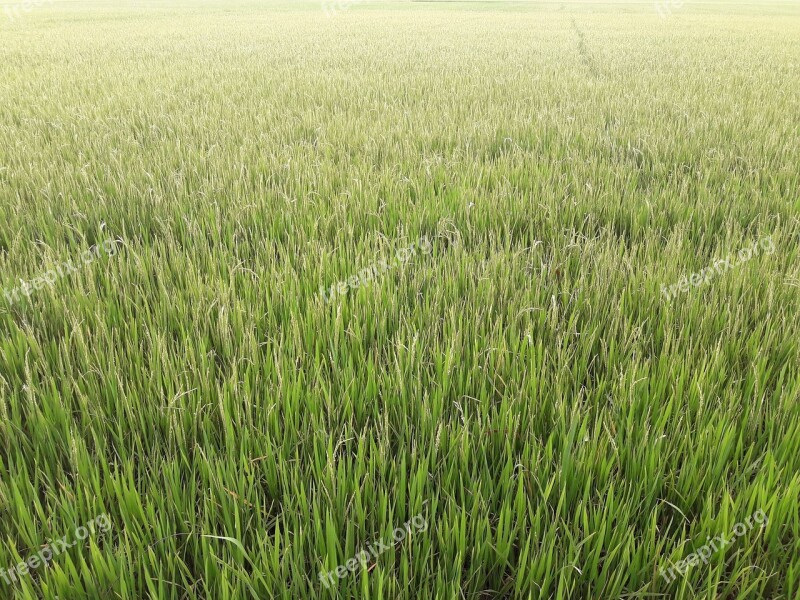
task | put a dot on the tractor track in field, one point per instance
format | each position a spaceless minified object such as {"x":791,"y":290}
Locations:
{"x":587,"y":57}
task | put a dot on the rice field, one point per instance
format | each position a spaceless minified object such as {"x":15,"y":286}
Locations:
{"x":399,"y":300}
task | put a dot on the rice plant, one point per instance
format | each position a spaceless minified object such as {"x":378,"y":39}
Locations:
{"x":188,"y":417}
